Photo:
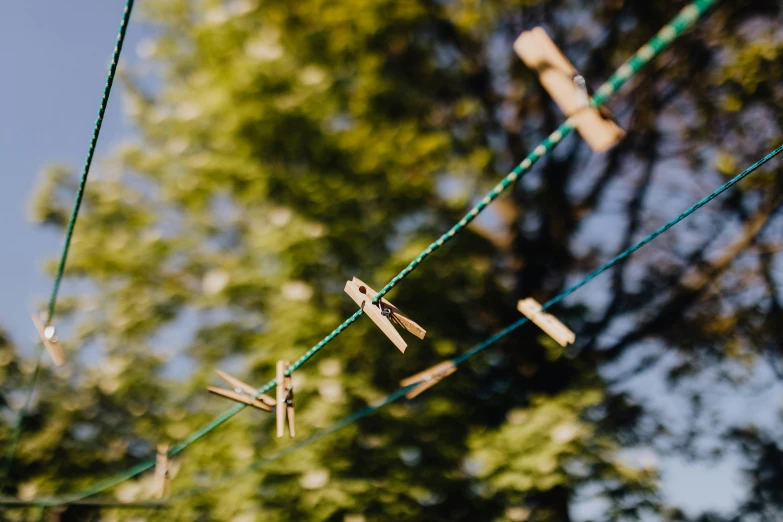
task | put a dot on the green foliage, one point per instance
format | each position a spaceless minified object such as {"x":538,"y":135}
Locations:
{"x":289,"y":146}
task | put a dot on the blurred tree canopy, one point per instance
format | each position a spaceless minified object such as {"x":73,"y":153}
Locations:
{"x":284,"y":147}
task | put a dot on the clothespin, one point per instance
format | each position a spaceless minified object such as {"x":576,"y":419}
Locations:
{"x":429,"y":377}
{"x":162,"y":479}
{"x":383,"y":313}
{"x":548,"y":323}
{"x":49,"y":339}
{"x":243,"y":392}
{"x":567,"y":88}
{"x":285,"y":399}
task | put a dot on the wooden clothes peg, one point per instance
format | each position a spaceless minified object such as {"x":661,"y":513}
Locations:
{"x":49,"y":339}
{"x":162,"y":480}
{"x":383,"y":314}
{"x":429,"y":377}
{"x":548,"y":323}
{"x":567,"y":88}
{"x":242,"y":392}
{"x":285,"y":400}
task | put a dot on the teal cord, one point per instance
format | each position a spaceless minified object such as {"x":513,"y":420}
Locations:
{"x":90,"y":153}
{"x":11,"y":451}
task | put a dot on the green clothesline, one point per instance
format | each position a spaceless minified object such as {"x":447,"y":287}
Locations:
{"x":115,"y":59}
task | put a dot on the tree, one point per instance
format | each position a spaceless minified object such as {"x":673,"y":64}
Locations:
{"x":291,"y":146}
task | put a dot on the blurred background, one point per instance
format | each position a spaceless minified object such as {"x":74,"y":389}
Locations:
{"x":256,"y":154}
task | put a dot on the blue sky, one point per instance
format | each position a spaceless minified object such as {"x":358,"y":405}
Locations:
{"x":54,"y":56}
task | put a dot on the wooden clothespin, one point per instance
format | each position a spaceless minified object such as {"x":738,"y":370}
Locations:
{"x":429,"y":377}
{"x":567,"y":88}
{"x":49,"y":339}
{"x":285,"y":399}
{"x":162,"y":479}
{"x":243,"y":392}
{"x":548,"y":323}
{"x":383,"y":313}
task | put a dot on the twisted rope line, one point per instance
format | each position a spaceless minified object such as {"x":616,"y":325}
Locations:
{"x":90,"y":153}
